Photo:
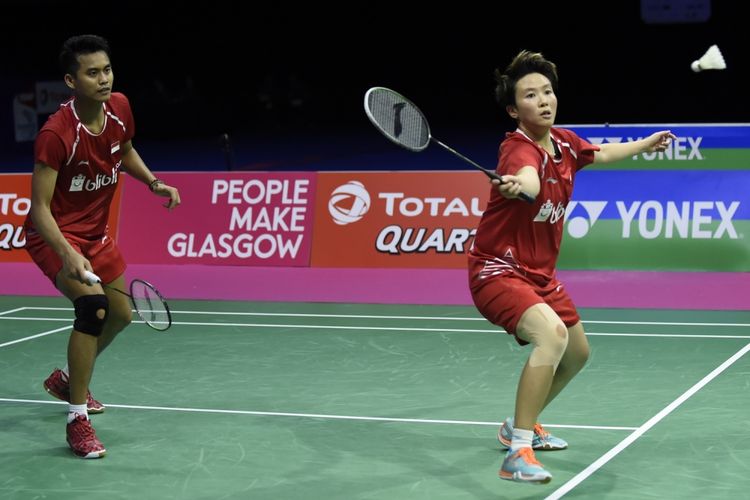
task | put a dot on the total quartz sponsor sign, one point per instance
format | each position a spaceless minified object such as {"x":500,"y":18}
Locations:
{"x":397,"y":219}
{"x":666,"y":220}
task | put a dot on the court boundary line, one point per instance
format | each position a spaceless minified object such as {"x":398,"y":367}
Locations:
{"x":43,"y":334}
{"x":17,"y":309}
{"x":404,"y":329}
{"x":318,"y":415}
{"x":376,"y":316}
{"x":601,"y":461}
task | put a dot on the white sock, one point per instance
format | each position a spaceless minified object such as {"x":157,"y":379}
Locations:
{"x":521,"y":439}
{"x":66,"y":372}
{"x":75,"y":410}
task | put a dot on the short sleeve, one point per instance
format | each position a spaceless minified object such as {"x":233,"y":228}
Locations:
{"x":585,"y":151}
{"x":516,"y":154}
{"x":50,"y":150}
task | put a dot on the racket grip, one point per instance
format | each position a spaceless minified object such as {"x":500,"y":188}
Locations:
{"x":91,"y":278}
{"x":524,"y":196}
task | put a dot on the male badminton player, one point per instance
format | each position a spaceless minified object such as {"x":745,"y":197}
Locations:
{"x":513,"y":257}
{"x":77,"y":158}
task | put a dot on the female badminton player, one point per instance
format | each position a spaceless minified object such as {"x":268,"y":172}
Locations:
{"x":513,"y":257}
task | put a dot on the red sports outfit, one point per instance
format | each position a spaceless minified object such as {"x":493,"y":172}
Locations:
{"x":87,"y":166}
{"x":513,"y":257}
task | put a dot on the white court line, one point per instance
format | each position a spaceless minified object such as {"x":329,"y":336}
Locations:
{"x":588,"y":471}
{"x":17,"y":309}
{"x":50,"y":332}
{"x":668,"y":335}
{"x":317,"y":415}
{"x":368,"y":316}
{"x":404,"y":329}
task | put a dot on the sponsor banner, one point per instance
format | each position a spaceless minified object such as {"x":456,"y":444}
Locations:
{"x":697,"y":147}
{"x":252,"y":219}
{"x":15,"y":202}
{"x":397,"y":219}
{"x":660,"y":220}
{"x":50,"y":94}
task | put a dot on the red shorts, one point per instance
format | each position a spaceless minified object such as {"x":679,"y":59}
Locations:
{"x":102,"y":253}
{"x":503,"y":298}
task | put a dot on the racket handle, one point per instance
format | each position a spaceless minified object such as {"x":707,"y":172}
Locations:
{"x":91,"y":278}
{"x":524,"y":196}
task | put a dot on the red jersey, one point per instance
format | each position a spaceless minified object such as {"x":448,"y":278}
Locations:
{"x":515,"y":236}
{"x":87,"y":165}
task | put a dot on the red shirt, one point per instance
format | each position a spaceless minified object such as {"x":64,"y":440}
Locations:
{"x":515,"y":236}
{"x":87,"y":165}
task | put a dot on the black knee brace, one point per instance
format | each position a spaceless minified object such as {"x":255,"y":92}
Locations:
{"x":87,"y":320}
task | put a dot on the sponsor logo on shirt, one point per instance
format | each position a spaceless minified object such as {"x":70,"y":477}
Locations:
{"x":81,"y":183}
{"x":550,"y":212}
{"x":76,"y":183}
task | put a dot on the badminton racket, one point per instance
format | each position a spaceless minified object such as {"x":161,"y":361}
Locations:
{"x":401,"y":121}
{"x":148,"y":303}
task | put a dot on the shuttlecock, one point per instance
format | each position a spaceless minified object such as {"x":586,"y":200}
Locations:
{"x":712,"y":59}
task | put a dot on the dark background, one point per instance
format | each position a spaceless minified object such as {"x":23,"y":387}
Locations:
{"x":286,"y":82}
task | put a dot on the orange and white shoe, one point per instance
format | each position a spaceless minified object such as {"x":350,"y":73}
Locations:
{"x":523,"y":467}
{"x":542,"y":440}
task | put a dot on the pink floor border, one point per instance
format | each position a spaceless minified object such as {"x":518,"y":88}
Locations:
{"x":636,"y":289}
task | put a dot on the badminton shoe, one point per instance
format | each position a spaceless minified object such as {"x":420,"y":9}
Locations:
{"x":57,"y":386}
{"x":542,"y":440}
{"x":522,"y":466}
{"x":82,"y":438}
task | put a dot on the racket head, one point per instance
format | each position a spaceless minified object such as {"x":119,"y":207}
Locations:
{"x":150,"y":305}
{"x":397,"y":118}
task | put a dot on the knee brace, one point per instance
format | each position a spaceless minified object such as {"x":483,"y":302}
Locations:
{"x":88,"y":309}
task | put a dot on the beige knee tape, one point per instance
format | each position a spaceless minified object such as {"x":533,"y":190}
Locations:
{"x":548,"y":347}
{"x":544,"y":330}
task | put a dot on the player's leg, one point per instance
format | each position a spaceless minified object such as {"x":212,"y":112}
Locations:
{"x":574,"y":359}
{"x":543,"y":329}
{"x":120,"y":314}
{"x":91,"y":308}
{"x":108,"y":263}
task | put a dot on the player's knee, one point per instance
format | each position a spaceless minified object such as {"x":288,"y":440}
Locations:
{"x":91,"y":313}
{"x":583,"y":353}
{"x":549,"y":347}
{"x":120,"y":316}
{"x":558,"y":342}
{"x":578,"y":351}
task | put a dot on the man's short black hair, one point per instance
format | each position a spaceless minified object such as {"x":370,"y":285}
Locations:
{"x":77,"y":45}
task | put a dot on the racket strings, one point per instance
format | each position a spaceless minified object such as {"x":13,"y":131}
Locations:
{"x":398,"y":119}
{"x":149,"y":305}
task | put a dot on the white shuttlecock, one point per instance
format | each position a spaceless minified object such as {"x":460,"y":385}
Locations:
{"x":712,"y":59}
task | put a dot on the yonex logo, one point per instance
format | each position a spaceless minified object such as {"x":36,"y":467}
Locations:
{"x":579,"y":226}
{"x":349,"y":203}
{"x":682,"y":148}
{"x":651,"y":219}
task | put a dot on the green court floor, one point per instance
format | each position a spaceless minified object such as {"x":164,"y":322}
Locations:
{"x":247,"y":400}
